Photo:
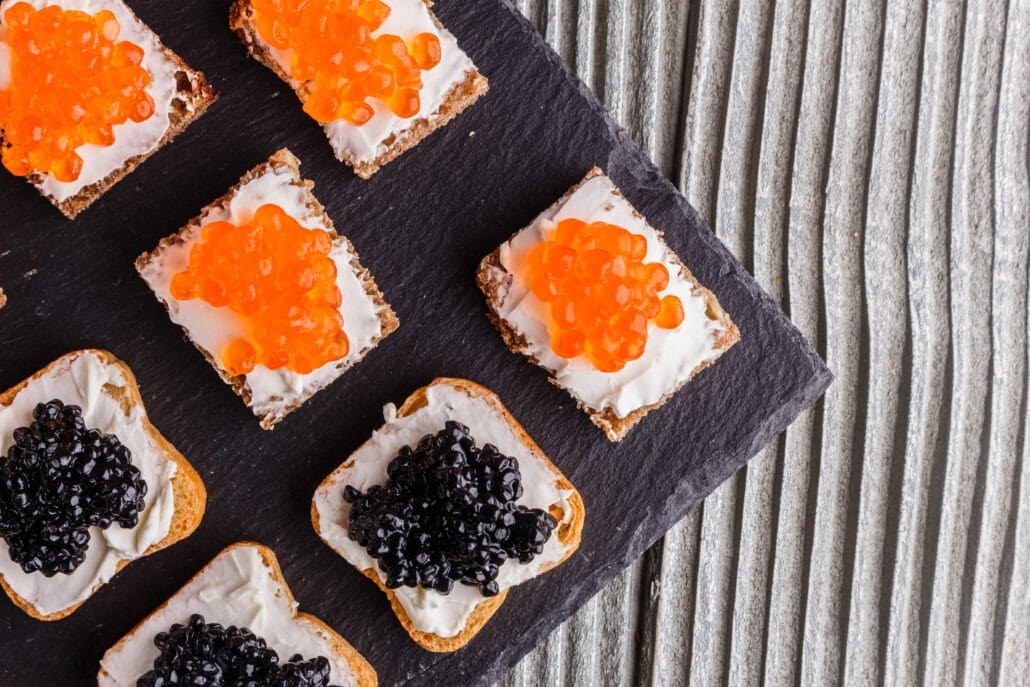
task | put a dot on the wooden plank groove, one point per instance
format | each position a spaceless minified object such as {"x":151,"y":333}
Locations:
{"x":585,"y":658}
{"x":614,"y":65}
{"x":707,"y":111}
{"x":867,"y":161}
{"x":929,"y":323}
{"x":699,"y":159}
{"x":1011,"y":641}
{"x":807,"y":203}
{"x":765,"y":257}
{"x":885,"y":305}
{"x":675,"y":610}
{"x":971,"y":264}
{"x":846,"y":339}
{"x":783,"y":615}
{"x":560,"y":28}
{"x":1009,"y":366}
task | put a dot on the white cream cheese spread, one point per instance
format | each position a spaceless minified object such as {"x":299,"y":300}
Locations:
{"x":213,"y":328}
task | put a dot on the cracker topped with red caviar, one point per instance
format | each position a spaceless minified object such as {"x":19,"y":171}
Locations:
{"x":267,"y":290}
{"x":591,"y":292}
{"x":378,"y":75}
{"x":279,"y":278}
{"x":87,"y":92}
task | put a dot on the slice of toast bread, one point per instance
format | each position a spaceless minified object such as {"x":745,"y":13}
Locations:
{"x":329,"y":513}
{"x":496,"y":281}
{"x":188,"y":497}
{"x":193,"y":95}
{"x":286,"y":170}
{"x":466,"y":89}
{"x":3,"y":298}
{"x":241,"y":578}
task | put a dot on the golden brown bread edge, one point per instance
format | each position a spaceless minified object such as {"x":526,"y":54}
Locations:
{"x":362,"y":669}
{"x":282,"y":160}
{"x":569,"y":534}
{"x":188,"y":488}
{"x":614,"y":427}
{"x":461,"y":96}
{"x":194,"y":95}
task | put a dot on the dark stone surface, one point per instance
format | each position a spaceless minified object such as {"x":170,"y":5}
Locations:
{"x":421,"y":226}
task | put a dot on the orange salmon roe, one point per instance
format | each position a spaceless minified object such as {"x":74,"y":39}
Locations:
{"x":601,"y":292}
{"x":279,"y":277}
{"x":342,"y":65}
{"x":71,"y":82}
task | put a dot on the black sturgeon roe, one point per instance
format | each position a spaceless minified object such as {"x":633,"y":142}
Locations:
{"x":448,"y":513}
{"x":58,"y":480}
{"x":200,"y":654}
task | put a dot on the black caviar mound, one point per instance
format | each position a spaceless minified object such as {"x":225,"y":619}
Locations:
{"x":58,"y":480}
{"x":199,"y":654}
{"x":448,"y":513}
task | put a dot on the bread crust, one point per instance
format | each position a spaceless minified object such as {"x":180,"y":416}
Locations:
{"x":362,"y":669}
{"x":194,"y":96}
{"x":282,"y":160}
{"x":188,"y":489}
{"x":614,"y":427}
{"x":461,"y":96}
{"x":570,"y":534}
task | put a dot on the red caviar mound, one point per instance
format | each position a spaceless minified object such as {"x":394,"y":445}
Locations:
{"x":342,"y":65}
{"x":71,"y":82}
{"x":601,"y":293}
{"x":278,"y":276}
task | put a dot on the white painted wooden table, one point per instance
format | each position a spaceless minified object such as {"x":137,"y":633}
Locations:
{"x":867,"y":161}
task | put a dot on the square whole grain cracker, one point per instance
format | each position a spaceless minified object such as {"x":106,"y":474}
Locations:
{"x":106,"y":390}
{"x":671,"y":358}
{"x":242,"y":586}
{"x":368,"y":318}
{"x":186,"y":96}
{"x":449,"y":88}
{"x":489,"y":422}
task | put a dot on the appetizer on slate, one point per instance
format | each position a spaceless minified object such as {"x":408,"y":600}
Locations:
{"x":234,"y":623}
{"x":591,"y":292}
{"x":445,"y":508}
{"x":269,"y":293}
{"x":87,"y":484}
{"x":87,"y":93}
{"x":378,"y":75}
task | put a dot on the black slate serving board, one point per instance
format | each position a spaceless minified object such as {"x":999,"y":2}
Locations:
{"x":421,"y":226}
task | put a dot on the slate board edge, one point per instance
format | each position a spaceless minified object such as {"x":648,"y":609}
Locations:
{"x":504,"y":661}
{"x":818,"y":382}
